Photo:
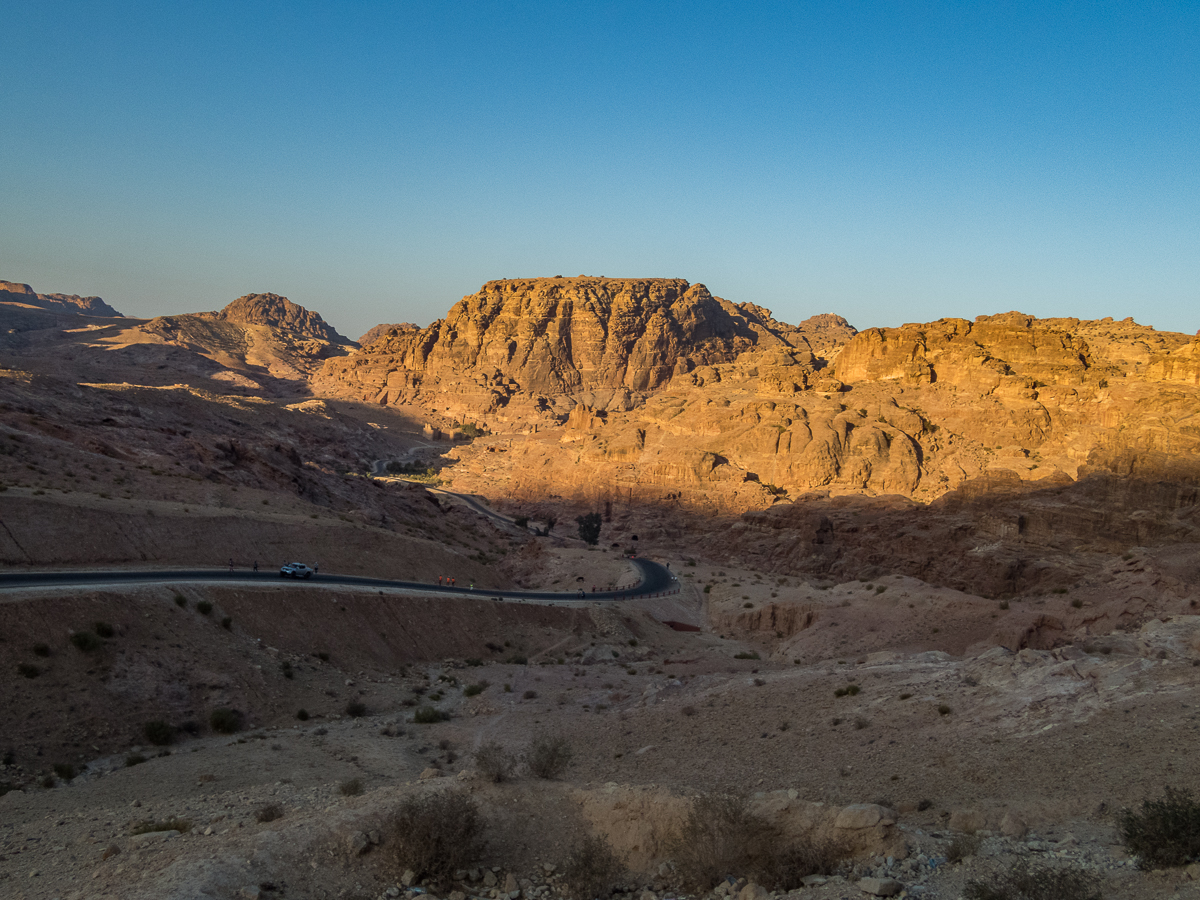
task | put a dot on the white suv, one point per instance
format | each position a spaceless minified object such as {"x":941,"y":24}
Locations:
{"x":295,"y":570}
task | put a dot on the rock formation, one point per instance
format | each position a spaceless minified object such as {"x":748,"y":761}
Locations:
{"x":529,"y":346}
{"x":280,"y":313}
{"x":915,"y":411}
{"x":24,"y":295}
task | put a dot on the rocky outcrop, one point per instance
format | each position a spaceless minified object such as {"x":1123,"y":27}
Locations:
{"x":542,"y":345}
{"x":376,"y":332}
{"x":1181,"y":366}
{"x":1005,"y":402}
{"x":280,"y":313}
{"x":23,"y":294}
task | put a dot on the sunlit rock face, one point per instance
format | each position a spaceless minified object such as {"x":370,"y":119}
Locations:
{"x":545,"y":344}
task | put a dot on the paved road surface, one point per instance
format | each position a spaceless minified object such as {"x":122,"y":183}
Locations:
{"x":656,"y":579}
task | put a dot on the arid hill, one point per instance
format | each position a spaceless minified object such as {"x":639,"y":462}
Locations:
{"x":23,"y":295}
{"x":656,"y":390}
{"x":817,"y":448}
{"x":258,"y":343}
{"x":534,"y":348}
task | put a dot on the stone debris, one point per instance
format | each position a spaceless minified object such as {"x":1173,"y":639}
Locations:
{"x":880,"y":887}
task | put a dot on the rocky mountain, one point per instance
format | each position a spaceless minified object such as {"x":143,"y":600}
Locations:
{"x":280,"y":313}
{"x":915,"y":412}
{"x":23,"y":295}
{"x":538,"y":347}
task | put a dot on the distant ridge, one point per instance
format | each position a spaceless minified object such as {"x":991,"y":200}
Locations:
{"x":17,"y":292}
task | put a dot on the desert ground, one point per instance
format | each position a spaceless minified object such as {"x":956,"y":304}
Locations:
{"x":930,"y":679}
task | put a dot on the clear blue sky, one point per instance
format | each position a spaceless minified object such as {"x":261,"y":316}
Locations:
{"x":890,"y":162}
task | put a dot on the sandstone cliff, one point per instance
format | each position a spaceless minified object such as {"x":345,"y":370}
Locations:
{"x":915,"y":411}
{"x":523,"y":347}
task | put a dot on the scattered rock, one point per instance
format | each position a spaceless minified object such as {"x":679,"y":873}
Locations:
{"x":967,"y":821}
{"x":880,"y":887}
{"x":864,"y":815}
{"x":358,"y":843}
{"x":1013,"y":826}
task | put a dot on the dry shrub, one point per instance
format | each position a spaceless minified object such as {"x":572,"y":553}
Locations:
{"x":785,"y":866}
{"x":435,"y":835}
{"x":721,"y":837}
{"x":591,"y":869}
{"x":269,"y":813}
{"x":1022,"y":882}
{"x":549,"y":756}
{"x":494,"y":762}
{"x":1165,"y":833}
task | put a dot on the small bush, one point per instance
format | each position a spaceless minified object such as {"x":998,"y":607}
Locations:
{"x":225,"y":720}
{"x":721,"y":836}
{"x":474,"y":690}
{"x":355,"y":709}
{"x":429,"y":715}
{"x":964,"y":846}
{"x":517,"y":660}
{"x":435,"y":835}
{"x":591,"y":869}
{"x":103,"y":629}
{"x":905,"y":696}
{"x":688,"y":710}
{"x":41,"y":650}
{"x":1165,"y":833}
{"x":302,"y":715}
{"x":28,"y":670}
{"x":134,"y":759}
{"x":494,"y":762}
{"x":47,"y":782}
{"x":65,"y":771}
{"x":1077,"y":603}
{"x":943,"y":709}
{"x":86,"y":641}
{"x":269,"y":813}
{"x":181,"y":601}
{"x":227,"y":623}
{"x":549,"y":756}
{"x":285,"y":669}
{"x":753,"y":654}
{"x":351,"y":788}
{"x":158,"y":732}
{"x":529,"y":695}
{"x":1023,"y":882}
{"x":204,"y":607}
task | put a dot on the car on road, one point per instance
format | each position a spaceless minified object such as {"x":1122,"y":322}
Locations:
{"x":295,"y":570}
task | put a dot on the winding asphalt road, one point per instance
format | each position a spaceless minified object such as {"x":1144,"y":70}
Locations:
{"x":656,"y":579}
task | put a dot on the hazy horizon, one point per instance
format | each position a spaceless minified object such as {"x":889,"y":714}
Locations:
{"x":376,"y":163}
